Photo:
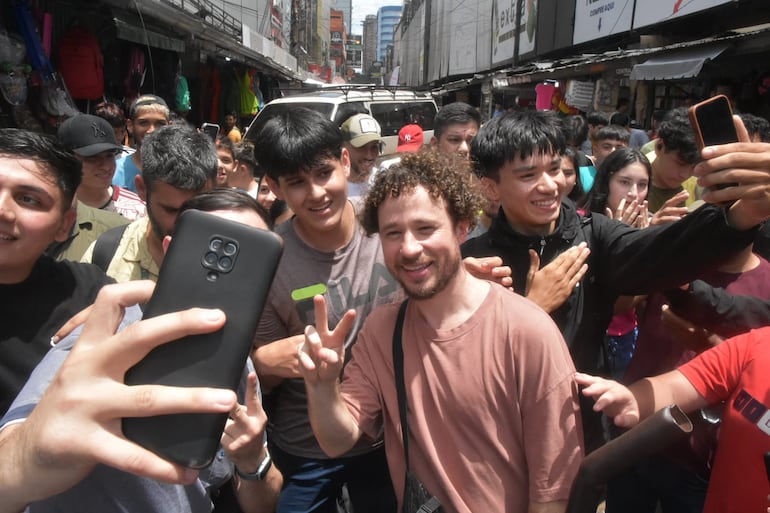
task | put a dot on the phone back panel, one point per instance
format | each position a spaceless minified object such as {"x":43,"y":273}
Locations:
{"x":712,"y":122}
{"x":211,"y":263}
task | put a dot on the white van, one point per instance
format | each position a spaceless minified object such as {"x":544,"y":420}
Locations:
{"x":392,"y":107}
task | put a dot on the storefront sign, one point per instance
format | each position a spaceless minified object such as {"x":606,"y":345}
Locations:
{"x":503,"y":30}
{"x":527,"y":27}
{"x":650,"y":12}
{"x":595,"y":19}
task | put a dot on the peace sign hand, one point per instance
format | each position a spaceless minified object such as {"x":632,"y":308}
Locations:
{"x":322,"y":355}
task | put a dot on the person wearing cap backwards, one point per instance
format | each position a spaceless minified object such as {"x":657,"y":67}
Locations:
{"x":38,"y":180}
{"x":147,"y":114}
{"x":92,"y":140}
{"x":361,"y":136}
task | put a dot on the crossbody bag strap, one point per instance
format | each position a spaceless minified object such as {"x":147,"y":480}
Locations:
{"x":398,"y":367}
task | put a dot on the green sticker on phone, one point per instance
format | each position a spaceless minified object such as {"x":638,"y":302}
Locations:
{"x":308,"y":292}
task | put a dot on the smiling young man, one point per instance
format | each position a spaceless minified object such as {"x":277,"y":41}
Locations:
{"x":467,"y":349}
{"x":38,"y":180}
{"x":147,"y":114}
{"x":361,"y":137}
{"x":518,"y":158}
{"x":92,"y":140}
{"x":325,"y":252}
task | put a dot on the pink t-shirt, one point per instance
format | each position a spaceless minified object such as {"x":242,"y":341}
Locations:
{"x":493,"y":408}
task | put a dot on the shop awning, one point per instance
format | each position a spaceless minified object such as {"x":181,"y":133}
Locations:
{"x":129,"y":28}
{"x":680,"y":64}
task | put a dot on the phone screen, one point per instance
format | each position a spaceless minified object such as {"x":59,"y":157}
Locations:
{"x":715,"y":122}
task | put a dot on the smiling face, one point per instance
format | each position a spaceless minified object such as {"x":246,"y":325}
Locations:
{"x":530,"y":192}
{"x":362,"y":160}
{"x":420,"y":245}
{"x":631,"y":182}
{"x":146,"y":121}
{"x":32,"y":216}
{"x":226,"y":165}
{"x":318,"y":197}
{"x":98,"y":170}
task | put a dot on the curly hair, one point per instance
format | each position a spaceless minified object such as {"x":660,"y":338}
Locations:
{"x":444,"y":177}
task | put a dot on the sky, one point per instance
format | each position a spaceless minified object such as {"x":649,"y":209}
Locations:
{"x":363,"y":7}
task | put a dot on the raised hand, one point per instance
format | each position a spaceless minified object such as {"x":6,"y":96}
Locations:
{"x":670,"y":211}
{"x":243,"y":437}
{"x":550,"y":286}
{"x":322,"y":355}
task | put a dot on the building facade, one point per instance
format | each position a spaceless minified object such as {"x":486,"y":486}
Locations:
{"x":387,"y":19}
{"x":370,"y":43}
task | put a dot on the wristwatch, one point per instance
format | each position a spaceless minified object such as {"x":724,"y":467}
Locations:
{"x":261,"y":472}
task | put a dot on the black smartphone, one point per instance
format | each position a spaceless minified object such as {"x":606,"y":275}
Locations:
{"x":212,"y":263}
{"x":712,"y":122}
{"x":210,"y":129}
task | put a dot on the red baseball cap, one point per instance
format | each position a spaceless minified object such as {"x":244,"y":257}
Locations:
{"x":409,"y":138}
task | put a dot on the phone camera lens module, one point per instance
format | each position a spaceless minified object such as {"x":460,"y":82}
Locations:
{"x":225,"y":263}
{"x":215,"y":244}
{"x":230,"y":249}
{"x":210,"y":258}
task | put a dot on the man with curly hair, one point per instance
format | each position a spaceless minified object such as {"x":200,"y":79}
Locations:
{"x":493,"y":412}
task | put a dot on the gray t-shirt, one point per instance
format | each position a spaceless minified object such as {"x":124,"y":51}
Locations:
{"x":107,"y":489}
{"x":354,"y":277}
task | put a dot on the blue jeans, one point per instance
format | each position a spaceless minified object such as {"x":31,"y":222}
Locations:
{"x":316,"y":486}
{"x":620,"y":350}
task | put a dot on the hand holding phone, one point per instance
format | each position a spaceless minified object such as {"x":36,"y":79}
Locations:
{"x":210,"y":129}
{"x":712,"y":122}
{"x":211,"y":262}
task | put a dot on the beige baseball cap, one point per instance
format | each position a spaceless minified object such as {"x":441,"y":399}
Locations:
{"x":360,"y":129}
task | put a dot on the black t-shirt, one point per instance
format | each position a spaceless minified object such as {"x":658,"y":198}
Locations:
{"x":32,"y":311}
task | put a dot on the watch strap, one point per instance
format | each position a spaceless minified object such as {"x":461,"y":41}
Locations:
{"x":261,"y":473}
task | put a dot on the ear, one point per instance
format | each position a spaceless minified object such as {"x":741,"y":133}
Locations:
{"x":660,"y":147}
{"x":345,"y":161}
{"x":141,"y":188}
{"x":434,"y":143}
{"x":462,"y":230}
{"x":490,"y":189}
{"x":165,"y":242}
{"x":68,"y":219}
{"x":274,"y":187}
{"x":130,"y":126}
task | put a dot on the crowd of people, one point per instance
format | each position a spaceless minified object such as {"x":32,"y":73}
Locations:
{"x":458,"y":325}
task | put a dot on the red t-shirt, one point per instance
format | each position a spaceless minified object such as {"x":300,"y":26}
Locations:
{"x":738,"y":372}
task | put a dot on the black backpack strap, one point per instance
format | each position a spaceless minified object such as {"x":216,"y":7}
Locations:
{"x":106,"y":246}
{"x":398,"y":368}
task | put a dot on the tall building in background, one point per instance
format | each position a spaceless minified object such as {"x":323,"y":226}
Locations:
{"x":387,"y":18}
{"x":370,"y":43}
{"x":346,"y":6}
{"x":338,"y":40}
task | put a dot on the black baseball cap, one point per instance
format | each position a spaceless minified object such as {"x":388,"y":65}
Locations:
{"x":87,"y":135}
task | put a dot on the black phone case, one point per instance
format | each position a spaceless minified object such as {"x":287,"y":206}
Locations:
{"x":212,"y":263}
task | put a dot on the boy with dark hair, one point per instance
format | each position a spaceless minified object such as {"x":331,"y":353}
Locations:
{"x":325,"y":252}
{"x":518,"y":158}
{"x":596,"y":121}
{"x":454,"y":127}
{"x":38,"y":180}
{"x":672,"y":162}
{"x":607,"y":140}
{"x":177,"y":163}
